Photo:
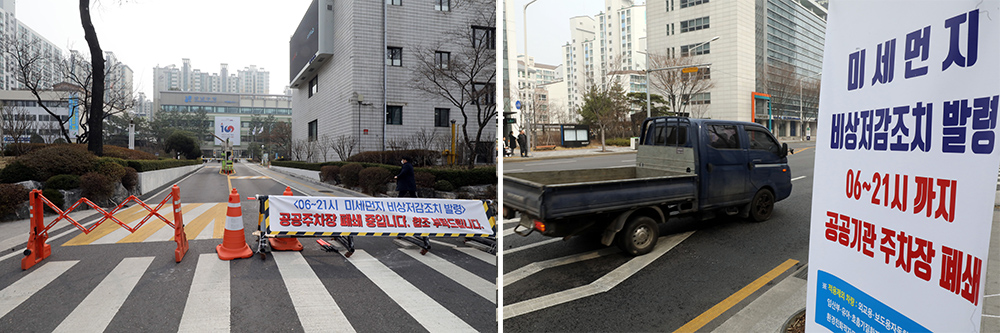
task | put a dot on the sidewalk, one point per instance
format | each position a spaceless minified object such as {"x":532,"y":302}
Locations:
{"x":561,"y":152}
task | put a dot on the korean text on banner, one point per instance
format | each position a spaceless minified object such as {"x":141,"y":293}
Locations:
{"x":305,"y":216}
{"x":906,"y":163}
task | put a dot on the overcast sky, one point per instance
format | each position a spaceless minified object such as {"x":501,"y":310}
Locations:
{"x":548,"y":25}
{"x":147,"y":33}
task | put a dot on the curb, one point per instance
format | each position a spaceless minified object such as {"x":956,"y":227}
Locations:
{"x":514,"y":159}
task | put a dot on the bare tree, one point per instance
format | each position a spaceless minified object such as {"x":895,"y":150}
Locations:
{"x":466,"y":77}
{"x":324,"y":144}
{"x":298,"y":149}
{"x":679,"y":88}
{"x":29,"y":65}
{"x":605,"y":104}
{"x":344,"y":146}
{"x":15,"y":122}
{"x":398,"y":143}
{"x":424,"y":139}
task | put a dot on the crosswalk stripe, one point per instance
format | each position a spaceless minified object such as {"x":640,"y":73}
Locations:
{"x":197,"y":228}
{"x":99,"y":308}
{"x":132,"y":218}
{"x":154,"y":224}
{"x":317,"y":310}
{"x":207,"y":308}
{"x":472,"y":252}
{"x":19,"y":291}
{"x":476,"y":284}
{"x":433,"y":316}
{"x":167,"y":234}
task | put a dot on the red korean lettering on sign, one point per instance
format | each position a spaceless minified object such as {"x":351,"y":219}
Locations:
{"x":851,"y":233}
{"x":960,"y":273}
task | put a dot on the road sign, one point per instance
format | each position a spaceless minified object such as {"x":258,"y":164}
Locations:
{"x":517,"y":105}
{"x":686,"y":70}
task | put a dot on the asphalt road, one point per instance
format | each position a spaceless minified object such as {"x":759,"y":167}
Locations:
{"x":103,"y":283}
{"x":579,"y":285}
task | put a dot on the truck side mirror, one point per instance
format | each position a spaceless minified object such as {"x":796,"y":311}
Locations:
{"x":784,"y":150}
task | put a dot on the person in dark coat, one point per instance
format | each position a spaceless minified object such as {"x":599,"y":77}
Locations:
{"x":406,"y":183}
{"x":523,"y":141}
{"x":512,"y":141}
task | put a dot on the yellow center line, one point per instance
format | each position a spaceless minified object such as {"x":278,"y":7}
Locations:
{"x":806,"y":148}
{"x":230,"y":181}
{"x":706,"y":317}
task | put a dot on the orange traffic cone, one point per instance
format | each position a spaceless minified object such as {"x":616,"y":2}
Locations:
{"x":234,"y":242}
{"x":285,"y":244}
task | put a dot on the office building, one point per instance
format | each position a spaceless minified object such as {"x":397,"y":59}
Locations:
{"x":766,"y":53}
{"x":244,"y":106}
{"x":354,"y":82}
{"x":250,"y":80}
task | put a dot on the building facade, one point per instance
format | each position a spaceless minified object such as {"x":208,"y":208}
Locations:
{"x":363,"y":86}
{"x":604,"y":49}
{"x":755,"y":63}
{"x":250,"y":80}
{"x":244,"y":106}
{"x":31,"y":118}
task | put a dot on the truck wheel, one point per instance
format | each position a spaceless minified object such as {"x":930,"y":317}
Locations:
{"x":762,"y":205}
{"x":638,"y":236}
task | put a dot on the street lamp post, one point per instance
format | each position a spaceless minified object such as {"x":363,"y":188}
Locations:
{"x":526,"y":73}
{"x":802,"y":118}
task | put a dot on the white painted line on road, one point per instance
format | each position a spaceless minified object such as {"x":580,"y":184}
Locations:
{"x":317,"y":310}
{"x":509,"y":221}
{"x":472,"y":252}
{"x":602,"y":284}
{"x":99,"y":308}
{"x":797,"y":178}
{"x":625,"y":161}
{"x":508,"y":232}
{"x":532,"y":245}
{"x":261,"y":169}
{"x":535,"y":267}
{"x":506,"y":170}
{"x":208,"y":302}
{"x":52,"y":238}
{"x":470,"y":281}
{"x":19,"y":291}
{"x":548,"y":163}
{"x":425,"y":310}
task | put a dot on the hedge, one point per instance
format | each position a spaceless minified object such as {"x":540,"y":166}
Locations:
{"x":150,"y":165}
{"x":456,"y":176}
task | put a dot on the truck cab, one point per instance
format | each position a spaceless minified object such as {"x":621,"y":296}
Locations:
{"x":738,"y":162}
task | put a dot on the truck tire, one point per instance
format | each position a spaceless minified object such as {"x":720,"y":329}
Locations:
{"x":762,"y":205}
{"x":639,"y":235}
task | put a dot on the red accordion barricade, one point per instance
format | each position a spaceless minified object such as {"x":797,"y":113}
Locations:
{"x":37,"y":249}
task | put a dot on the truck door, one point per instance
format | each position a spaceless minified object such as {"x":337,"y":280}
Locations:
{"x":726,"y":170}
{"x":769,"y":168}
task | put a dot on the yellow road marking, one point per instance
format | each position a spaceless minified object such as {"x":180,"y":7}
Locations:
{"x":220,"y":222}
{"x":229,"y":180}
{"x":806,"y":148}
{"x":154,"y":224}
{"x":193,"y":228}
{"x":126,"y":215}
{"x":706,"y":317}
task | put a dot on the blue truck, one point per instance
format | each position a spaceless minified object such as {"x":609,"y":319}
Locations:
{"x":684,"y":167}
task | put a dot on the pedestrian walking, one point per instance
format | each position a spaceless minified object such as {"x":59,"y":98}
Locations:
{"x":406,"y":183}
{"x":523,"y":141}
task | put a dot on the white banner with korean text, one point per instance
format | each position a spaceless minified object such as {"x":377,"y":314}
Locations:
{"x":906,"y":166}
{"x":299,"y":215}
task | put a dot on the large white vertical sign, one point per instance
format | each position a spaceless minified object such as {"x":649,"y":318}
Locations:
{"x":906,"y":166}
{"x":227,"y":128}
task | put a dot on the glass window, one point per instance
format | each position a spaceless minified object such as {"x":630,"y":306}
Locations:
{"x":441,"y":117}
{"x":442,"y":59}
{"x":394,"y":115}
{"x":313,"y":85}
{"x":723,"y":137}
{"x":483,"y":37}
{"x":394,"y":56}
{"x":442,"y":5}
{"x":761,"y":140}
{"x":394,"y":2}
{"x":313,"y":130}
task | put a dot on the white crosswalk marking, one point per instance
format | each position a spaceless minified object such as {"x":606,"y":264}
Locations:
{"x":19,"y":291}
{"x":433,"y":316}
{"x":207,"y":308}
{"x":472,"y":252}
{"x":465,"y":278}
{"x":96,"y":311}
{"x":317,"y":311}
